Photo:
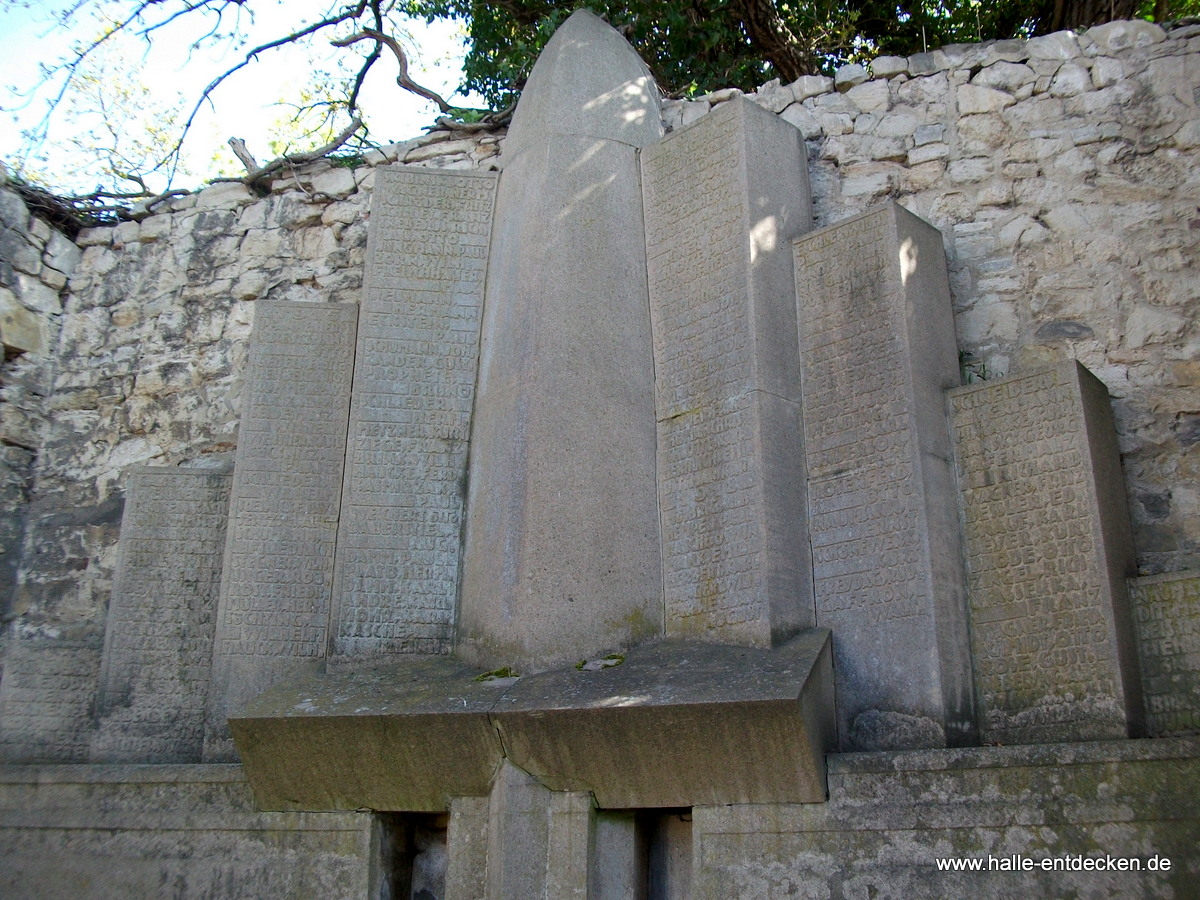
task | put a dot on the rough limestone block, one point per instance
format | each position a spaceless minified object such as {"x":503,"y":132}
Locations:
{"x":892,"y":816}
{"x":21,"y":331}
{"x":1166,"y":618}
{"x":159,"y":634}
{"x":562,"y":556}
{"x":724,"y":197}
{"x":398,"y":548}
{"x":46,"y":699}
{"x":1048,"y":549}
{"x":877,"y":352}
{"x":273,"y":615}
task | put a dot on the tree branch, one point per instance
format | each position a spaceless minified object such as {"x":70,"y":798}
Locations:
{"x":371,"y":34}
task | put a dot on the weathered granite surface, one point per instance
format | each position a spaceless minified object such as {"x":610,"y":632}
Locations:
{"x":1048,"y":550}
{"x":396,"y":575}
{"x":720,"y":216}
{"x":150,"y":831}
{"x":159,"y":636}
{"x":672,"y":724}
{"x":887,"y":568}
{"x":892,"y":816}
{"x":277,"y":576}
{"x":1166,"y":622}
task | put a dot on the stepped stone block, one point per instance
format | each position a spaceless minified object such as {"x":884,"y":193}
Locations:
{"x":398,"y":547}
{"x":877,"y":352}
{"x":277,"y":573}
{"x":1048,"y":549}
{"x":158,"y":641}
{"x":724,"y":197}
{"x":1166,"y":618}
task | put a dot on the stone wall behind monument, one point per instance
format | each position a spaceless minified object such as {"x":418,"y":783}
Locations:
{"x":1061,"y":171}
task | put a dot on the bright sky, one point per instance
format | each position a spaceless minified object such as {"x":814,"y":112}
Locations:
{"x":29,"y":37}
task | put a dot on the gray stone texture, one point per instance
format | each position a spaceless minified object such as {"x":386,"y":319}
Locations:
{"x":671,"y":724}
{"x":399,"y":538}
{"x":466,"y":874}
{"x":273,"y":615}
{"x":158,"y":639}
{"x":877,"y":351}
{"x":183,"y":831}
{"x":1166,"y":620}
{"x":46,"y":699}
{"x":724,"y":197}
{"x":1048,"y":550}
{"x":406,"y":736}
{"x":561,"y":555}
{"x":680,"y":724}
{"x":892,"y":816}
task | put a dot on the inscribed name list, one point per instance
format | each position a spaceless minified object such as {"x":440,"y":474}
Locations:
{"x":158,"y":639}
{"x":877,"y":350}
{"x":1166,"y":615}
{"x":273,"y":616}
{"x":1050,"y":631}
{"x":396,"y":577}
{"x":729,"y":452}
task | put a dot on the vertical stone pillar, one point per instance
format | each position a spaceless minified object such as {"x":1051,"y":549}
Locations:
{"x":724,"y":198}
{"x":399,"y":540}
{"x":562,"y":558}
{"x":158,"y":640}
{"x":877,"y":352}
{"x":273,"y":614}
{"x":467,"y":849}
{"x":1049,"y":547}
{"x":539,"y":841}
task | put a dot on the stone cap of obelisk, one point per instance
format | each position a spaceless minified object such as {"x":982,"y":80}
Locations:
{"x":586,"y":58}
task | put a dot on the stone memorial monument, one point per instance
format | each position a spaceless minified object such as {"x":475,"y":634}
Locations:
{"x":573,"y":559}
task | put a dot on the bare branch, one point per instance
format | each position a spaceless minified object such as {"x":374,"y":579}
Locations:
{"x":347,"y":14}
{"x":239,"y":150}
{"x":294,"y":159}
{"x":371,"y":34}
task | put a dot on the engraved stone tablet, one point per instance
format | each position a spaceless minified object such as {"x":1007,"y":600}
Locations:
{"x":158,"y":640}
{"x":877,"y":351}
{"x":724,"y":197}
{"x":398,"y":550}
{"x":46,"y":699}
{"x":1048,"y":549}
{"x":273,"y":618}
{"x":1166,"y":617}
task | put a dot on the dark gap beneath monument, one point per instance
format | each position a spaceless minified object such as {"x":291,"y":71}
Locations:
{"x":412,"y":855}
{"x":665,"y":838}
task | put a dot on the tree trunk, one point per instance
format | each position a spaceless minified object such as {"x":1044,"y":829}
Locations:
{"x":790,"y":55}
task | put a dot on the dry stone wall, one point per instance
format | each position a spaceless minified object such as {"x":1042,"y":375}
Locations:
{"x":1061,"y":171}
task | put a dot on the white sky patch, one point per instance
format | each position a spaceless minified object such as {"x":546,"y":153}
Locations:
{"x":243,"y":105}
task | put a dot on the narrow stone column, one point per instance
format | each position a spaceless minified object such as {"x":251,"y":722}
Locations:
{"x":277,"y":574}
{"x":877,"y":354}
{"x":724,"y":199}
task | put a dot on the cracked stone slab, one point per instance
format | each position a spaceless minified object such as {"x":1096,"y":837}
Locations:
{"x":675,"y":724}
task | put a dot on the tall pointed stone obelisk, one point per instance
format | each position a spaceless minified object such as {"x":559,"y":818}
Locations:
{"x":562,"y":548}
